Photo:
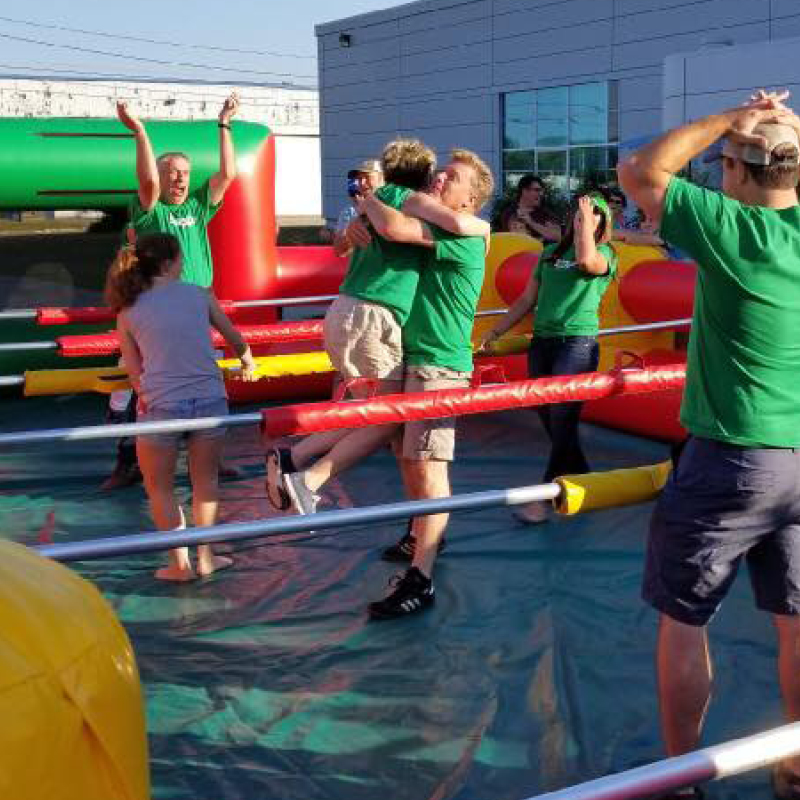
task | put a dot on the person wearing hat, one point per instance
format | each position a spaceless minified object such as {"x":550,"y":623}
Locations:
{"x":564,"y":292}
{"x":364,"y":179}
{"x":734,"y":495}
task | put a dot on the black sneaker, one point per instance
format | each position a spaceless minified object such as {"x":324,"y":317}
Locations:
{"x":402,"y":551}
{"x":413,"y":592}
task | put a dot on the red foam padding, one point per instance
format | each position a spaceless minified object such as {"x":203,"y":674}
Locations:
{"x":656,"y":291}
{"x":315,"y":417}
{"x":104,"y":344}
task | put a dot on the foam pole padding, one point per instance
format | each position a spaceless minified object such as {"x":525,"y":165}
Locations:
{"x":104,"y":344}
{"x":295,"y":420}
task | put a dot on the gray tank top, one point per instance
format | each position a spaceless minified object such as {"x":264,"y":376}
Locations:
{"x":170,"y":324}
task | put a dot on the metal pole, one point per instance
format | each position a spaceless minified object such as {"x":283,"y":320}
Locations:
{"x":24,"y":347}
{"x":647,"y":326}
{"x":18,"y":313}
{"x":127,"y":429}
{"x":325,"y":520}
{"x":12,"y":380}
{"x":710,"y":763}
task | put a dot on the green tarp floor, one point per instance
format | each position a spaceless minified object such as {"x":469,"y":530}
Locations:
{"x":532,"y":672}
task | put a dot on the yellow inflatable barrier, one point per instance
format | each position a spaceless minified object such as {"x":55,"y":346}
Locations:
{"x":620,"y":487}
{"x":70,"y":700}
{"x":105,"y":380}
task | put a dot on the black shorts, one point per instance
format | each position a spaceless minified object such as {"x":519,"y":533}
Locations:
{"x":723,"y":503}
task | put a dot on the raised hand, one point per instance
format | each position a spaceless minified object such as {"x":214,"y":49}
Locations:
{"x":130,"y":121}
{"x":229,"y":108}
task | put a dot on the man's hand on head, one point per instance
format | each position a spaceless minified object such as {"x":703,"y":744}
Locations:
{"x":743,"y":120}
{"x":130,"y":121}
{"x":229,"y":108}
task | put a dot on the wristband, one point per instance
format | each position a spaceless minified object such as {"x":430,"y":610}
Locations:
{"x":223,"y":125}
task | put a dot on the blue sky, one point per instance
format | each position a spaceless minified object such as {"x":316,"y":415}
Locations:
{"x":281,"y":30}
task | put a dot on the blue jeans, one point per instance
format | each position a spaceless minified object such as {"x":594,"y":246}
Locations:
{"x":563,"y":355}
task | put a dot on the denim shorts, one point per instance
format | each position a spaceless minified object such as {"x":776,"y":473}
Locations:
{"x":184,"y":409}
{"x":724,"y":503}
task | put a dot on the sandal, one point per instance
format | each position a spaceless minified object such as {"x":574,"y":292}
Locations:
{"x":279,"y":460}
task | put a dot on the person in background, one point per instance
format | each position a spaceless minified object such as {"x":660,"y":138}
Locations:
{"x":364,"y":179}
{"x":528,"y":209}
{"x":564,"y":292}
{"x":163,"y":326}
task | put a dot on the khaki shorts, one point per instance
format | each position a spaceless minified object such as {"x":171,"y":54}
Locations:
{"x":431,"y":439}
{"x":363,"y":340}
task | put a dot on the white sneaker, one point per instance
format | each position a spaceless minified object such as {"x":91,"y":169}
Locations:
{"x":304,"y":501}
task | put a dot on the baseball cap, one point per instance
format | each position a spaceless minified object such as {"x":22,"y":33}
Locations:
{"x":776,"y":135}
{"x":368,"y":165}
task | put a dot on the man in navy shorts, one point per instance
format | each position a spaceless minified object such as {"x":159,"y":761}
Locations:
{"x":735,"y":493}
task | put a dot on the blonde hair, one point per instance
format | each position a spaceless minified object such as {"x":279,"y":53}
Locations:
{"x":482,"y":180}
{"x":408,"y":163}
{"x":136,"y":267}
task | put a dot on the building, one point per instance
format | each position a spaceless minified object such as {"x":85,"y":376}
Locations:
{"x":555,"y":87}
{"x":292,"y":113}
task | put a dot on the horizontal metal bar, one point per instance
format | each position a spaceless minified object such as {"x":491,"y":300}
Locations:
{"x":127,"y":429}
{"x":18,"y":313}
{"x":647,"y":326}
{"x":325,"y":520}
{"x":25,"y":347}
{"x":12,"y":380}
{"x":711,"y":763}
{"x":287,"y":301}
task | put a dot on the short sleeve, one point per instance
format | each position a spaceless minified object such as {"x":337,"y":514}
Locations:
{"x":612,"y":259}
{"x":692,"y":215}
{"x":456,"y":250}
{"x":203,"y":198}
{"x":543,"y":256}
{"x":137,"y":215}
{"x":393,"y":195}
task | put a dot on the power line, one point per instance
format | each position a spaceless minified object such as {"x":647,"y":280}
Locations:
{"x":93,"y":51}
{"x":154,"y":41}
{"x":222,"y":88}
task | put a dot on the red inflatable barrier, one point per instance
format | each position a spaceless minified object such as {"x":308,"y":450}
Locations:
{"x":315,"y":417}
{"x":90,"y":314}
{"x":310,"y":270}
{"x":105,"y":344}
{"x":657,"y":290}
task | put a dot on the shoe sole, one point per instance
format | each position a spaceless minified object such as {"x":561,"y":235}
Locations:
{"x":381,"y":616}
{"x":284,"y":503}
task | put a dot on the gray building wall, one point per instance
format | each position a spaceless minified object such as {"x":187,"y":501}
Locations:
{"x":436,"y":68}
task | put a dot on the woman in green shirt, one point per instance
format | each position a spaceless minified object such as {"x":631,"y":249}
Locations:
{"x":564,"y":292}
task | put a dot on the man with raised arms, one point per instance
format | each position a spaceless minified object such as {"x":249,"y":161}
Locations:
{"x":734,"y":495}
{"x":164,"y":204}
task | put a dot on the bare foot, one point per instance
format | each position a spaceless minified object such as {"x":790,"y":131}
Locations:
{"x":175,"y":573}
{"x":205,"y":566}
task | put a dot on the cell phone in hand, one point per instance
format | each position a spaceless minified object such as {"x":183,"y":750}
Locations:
{"x":353,"y":187}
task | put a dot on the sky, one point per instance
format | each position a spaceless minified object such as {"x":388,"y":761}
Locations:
{"x":44,"y":39}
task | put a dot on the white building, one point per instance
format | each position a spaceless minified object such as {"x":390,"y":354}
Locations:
{"x":291,"y":113}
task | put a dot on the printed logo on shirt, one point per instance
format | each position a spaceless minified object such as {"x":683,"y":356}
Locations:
{"x":182,"y":222}
{"x":564,"y":263}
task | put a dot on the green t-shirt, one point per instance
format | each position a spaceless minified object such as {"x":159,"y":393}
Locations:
{"x":439,"y":329}
{"x":384,"y":272}
{"x":569,"y":298}
{"x":743,"y":365}
{"x":188,"y":222}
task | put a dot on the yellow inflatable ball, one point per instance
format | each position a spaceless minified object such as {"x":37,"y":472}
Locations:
{"x":70,"y":699}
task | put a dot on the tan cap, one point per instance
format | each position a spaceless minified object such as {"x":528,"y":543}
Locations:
{"x":369,"y":165}
{"x":775,"y":134}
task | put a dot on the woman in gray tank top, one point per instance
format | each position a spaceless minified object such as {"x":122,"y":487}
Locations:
{"x":163,"y":327}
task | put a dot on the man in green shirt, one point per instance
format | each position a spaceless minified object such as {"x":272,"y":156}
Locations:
{"x":734,"y":494}
{"x":438,"y":355}
{"x":164,"y":204}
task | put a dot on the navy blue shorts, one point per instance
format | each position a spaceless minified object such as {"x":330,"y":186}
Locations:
{"x":724,"y":503}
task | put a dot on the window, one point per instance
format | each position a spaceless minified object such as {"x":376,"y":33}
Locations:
{"x":560,"y":133}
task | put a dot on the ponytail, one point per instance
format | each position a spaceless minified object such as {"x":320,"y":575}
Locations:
{"x":136,"y":267}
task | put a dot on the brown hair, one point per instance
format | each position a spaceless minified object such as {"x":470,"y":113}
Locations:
{"x":482,"y":181}
{"x":408,"y":163}
{"x":136,"y":267}
{"x":568,"y":239}
{"x":782,"y":173}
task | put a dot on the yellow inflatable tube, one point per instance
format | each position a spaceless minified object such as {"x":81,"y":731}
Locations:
{"x":105,"y":380}
{"x":596,"y":491}
{"x":70,"y":700}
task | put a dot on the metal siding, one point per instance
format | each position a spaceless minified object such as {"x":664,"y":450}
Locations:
{"x":586,"y":63}
{"x":565,"y":40}
{"x":636,"y":94}
{"x":569,"y":14}
{"x":430,"y":64}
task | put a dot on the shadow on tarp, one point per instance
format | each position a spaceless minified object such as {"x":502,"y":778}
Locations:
{"x":533,"y":671}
